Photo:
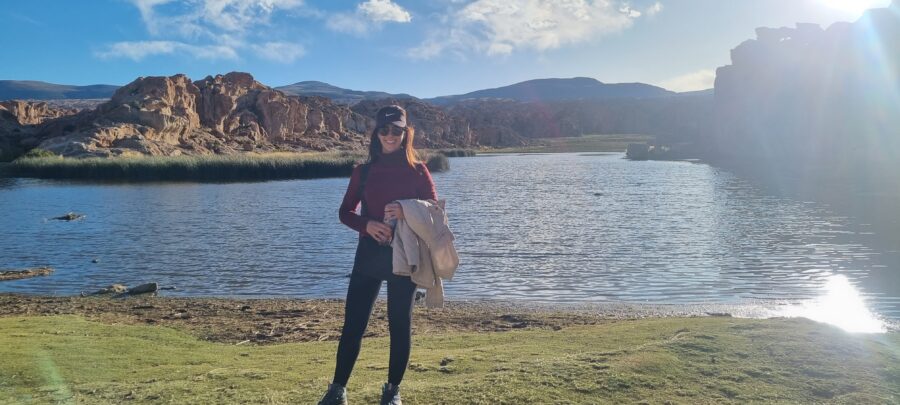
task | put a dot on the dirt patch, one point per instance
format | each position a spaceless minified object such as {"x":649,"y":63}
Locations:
{"x":264,"y":321}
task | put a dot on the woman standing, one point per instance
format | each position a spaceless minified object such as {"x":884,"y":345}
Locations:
{"x":392,"y":173}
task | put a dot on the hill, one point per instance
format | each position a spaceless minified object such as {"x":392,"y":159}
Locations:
{"x":578,"y":88}
{"x":36,"y":90}
{"x":336,"y":94}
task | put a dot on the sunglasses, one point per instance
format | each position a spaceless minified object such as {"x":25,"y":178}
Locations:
{"x":391,"y":130}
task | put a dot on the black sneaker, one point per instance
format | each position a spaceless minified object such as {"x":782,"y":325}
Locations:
{"x":390,"y":396}
{"x":336,"y":395}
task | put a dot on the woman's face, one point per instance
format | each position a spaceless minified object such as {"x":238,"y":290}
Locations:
{"x":391,"y":138}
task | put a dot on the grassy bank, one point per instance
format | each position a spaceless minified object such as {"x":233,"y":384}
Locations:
{"x":457,"y":152}
{"x":211,"y":168}
{"x":586,"y":143}
{"x":52,"y":359}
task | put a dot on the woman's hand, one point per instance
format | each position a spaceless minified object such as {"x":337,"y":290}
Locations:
{"x":393,"y":211}
{"x":379,"y":231}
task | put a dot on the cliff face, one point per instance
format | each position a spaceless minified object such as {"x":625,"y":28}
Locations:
{"x":824,"y":99}
{"x":20,"y":124}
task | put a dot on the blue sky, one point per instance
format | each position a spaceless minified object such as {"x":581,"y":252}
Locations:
{"x":425,"y":48}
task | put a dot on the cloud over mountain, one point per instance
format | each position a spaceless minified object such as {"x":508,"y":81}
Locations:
{"x":501,"y":27}
{"x":368,"y":16}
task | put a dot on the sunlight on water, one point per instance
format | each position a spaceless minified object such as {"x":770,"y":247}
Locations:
{"x":549,"y":229}
{"x":840,"y":305}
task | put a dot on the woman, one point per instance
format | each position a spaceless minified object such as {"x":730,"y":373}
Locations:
{"x":392,"y":173}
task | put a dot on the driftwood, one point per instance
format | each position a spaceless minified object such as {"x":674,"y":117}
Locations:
{"x":27,"y":273}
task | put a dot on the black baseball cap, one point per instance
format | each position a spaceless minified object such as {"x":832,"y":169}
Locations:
{"x":392,"y":114}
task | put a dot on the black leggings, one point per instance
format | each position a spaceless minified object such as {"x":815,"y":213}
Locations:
{"x":365,"y":282}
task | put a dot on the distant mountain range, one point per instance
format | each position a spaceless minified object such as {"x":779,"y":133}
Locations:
{"x":578,"y":88}
{"x":34,"y":90}
{"x":574,"y":89}
{"x":337,"y":94}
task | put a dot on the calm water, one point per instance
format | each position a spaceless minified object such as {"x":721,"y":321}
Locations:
{"x":543,"y":228}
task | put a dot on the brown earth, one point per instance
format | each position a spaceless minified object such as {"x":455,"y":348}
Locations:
{"x":266,"y":321}
{"x":27,"y":273}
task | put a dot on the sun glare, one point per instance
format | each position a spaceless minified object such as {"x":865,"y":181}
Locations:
{"x":841,"y":305}
{"x":856,"y":7}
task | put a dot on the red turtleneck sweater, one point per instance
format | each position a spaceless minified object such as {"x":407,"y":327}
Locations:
{"x":390,"y":178}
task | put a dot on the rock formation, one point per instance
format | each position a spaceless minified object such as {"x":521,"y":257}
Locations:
{"x":822,"y":99}
{"x":221,"y":114}
{"x":31,"y":112}
{"x":20,"y":123}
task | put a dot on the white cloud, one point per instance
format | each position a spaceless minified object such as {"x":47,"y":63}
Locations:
{"x":500,"y":27}
{"x":369,"y":15}
{"x":699,"y":80}
{"x":348,"y":23}
{"x":654,"y":9}
{"x":283,"y":52}
{"x":384,"y":11}
{"x":239,"y":15}
{"x":627,"y":10}
{"x":138,"y":50}
{"x":209,"y":29}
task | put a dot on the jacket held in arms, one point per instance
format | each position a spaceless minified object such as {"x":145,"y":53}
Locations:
{"x":423,"y":248}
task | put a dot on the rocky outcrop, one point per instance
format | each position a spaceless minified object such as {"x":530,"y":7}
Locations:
{"x":31,"y":112}
{"x":826,"y":100}
{"x":221,"y":114}
{"x":21,"y":123}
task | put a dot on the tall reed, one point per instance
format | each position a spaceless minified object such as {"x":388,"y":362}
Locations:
{"x":207,"y":168}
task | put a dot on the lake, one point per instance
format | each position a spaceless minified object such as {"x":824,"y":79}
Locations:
{"x":537,"y":228}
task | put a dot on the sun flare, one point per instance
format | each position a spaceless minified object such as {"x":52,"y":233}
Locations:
{"x":854,"y":6}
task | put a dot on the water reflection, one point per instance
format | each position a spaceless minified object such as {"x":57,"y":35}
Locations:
{"x":841,"y":305}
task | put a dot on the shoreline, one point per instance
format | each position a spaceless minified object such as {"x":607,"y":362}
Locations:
{"x":214,"y":350}
{"x":283,"y":320}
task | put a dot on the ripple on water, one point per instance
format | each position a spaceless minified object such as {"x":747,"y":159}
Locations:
{"x":554,"y":228}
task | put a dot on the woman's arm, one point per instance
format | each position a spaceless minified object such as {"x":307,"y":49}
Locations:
{"x":425,"y":189}
{"x":347,"y":212}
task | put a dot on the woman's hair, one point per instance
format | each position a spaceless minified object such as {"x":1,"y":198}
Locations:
{"x":406,"y":147}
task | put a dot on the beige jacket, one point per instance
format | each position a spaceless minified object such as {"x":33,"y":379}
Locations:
{"x":423,"y":248}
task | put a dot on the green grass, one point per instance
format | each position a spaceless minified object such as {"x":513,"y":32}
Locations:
{"x":586,"y":143}
{"x":65,"y":359}
{"x":213,"y":168}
